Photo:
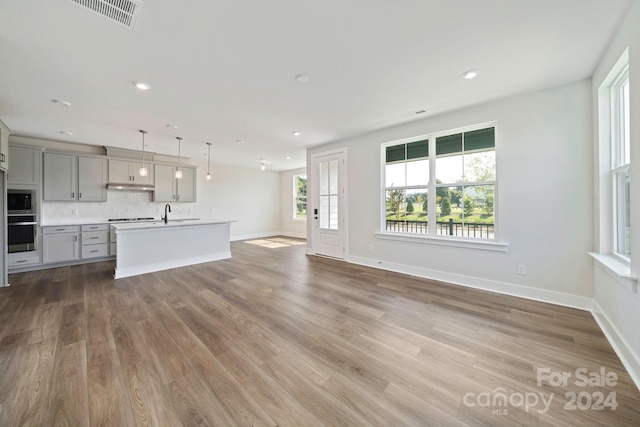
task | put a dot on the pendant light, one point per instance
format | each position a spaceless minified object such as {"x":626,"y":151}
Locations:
{"x":143,"y":171}
{"x":178,"y":171}
{"x":209,"y":161}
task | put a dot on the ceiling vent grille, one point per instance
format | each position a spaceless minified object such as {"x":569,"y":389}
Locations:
{"x":122,"y":12}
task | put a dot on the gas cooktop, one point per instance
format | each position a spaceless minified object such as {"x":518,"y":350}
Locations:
{"x":130,"y":219}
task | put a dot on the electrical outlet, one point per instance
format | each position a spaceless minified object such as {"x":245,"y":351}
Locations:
{"x":213,"y":210}
{"x":522,"y":269}
{"x":370,"y":248}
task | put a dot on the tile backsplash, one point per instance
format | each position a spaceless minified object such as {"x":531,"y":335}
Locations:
{"x":119,"y":204}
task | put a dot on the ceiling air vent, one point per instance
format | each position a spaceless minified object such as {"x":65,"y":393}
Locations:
{"x":123,"y":12}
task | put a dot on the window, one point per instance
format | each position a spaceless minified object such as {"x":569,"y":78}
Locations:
{"x":300,"y":197}
{"x":621,"y":163}
{"x":449,"y":176}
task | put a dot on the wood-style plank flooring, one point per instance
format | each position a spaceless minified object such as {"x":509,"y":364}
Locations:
{"x":275,"y":337}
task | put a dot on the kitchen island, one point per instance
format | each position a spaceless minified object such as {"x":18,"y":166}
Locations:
{"x":145,"y":247}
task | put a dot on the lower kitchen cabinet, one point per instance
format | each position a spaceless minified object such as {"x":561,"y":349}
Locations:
{"x":23,"y":259}
{"x":60,"y":244}
{"x":95,"y":241}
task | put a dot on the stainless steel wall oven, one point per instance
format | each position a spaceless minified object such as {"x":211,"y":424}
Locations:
{"x":22,"y":224}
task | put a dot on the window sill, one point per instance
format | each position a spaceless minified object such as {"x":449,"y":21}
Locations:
{"x":299,"y":219}
{"x":445,"y":241}
{"x":618,"y":269}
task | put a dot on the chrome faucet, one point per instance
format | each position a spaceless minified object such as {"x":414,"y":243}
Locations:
{"x":166,"y":218}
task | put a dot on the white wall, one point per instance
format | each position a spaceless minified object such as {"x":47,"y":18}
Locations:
{"x":544,"y":199}
{"x":617,"y":306}
{"x":247,"y":195}
{"x":288,"y":225}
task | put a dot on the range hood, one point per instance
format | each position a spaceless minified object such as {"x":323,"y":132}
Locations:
{"x":129,"y":186}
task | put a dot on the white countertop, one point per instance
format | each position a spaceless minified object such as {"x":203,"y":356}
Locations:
{"x":65,"y":221}
{"x":123,"y":226}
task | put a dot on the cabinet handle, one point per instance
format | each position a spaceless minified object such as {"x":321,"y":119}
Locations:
{"x":60,"y":229}
{"x":92,"y":238}
{"x":73,"y":194}
{"x":75,"y":238}
{"x":79,"y":195}
{"x":93,"y":251}
{"x":22,"y":260}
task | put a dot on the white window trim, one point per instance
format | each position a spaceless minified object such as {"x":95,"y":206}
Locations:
{"x":295,"y":198}
{"x":463,"y":242}
{"x":616,"y":166}
{"x":617,"y":266}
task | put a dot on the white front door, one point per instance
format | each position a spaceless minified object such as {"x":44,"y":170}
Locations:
{"x":329,"y":212}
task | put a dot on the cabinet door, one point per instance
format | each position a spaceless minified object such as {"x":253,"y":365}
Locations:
{"x":92,"y":179}
{"x":165,"y":184}
{"x":4,"y":149}
{"x":60,"y":247}
{"x":24,"y":166}
{"x":119,"y":171}
{"x":187,"y":185}
{"x":60,"y":177}
{"x":134,"y":169}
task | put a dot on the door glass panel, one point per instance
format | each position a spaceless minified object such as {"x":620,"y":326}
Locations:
{"x":323,"y":212}
{"x":333,"y":177}
{"x":333,"y":212}
{"x":324,"y":178}
{"x":328,"y":212}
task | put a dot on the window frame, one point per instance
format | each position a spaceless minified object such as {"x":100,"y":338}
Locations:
{"x":431,"y":236}
{"x":295,"y":197}
{"x":619,"y":165}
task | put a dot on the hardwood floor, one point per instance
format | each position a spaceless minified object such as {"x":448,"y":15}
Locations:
{"x":275,"y":337}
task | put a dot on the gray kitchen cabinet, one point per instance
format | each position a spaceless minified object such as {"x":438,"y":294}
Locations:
{"x":60,"y":244}
{"x":170,"y":189}
{"x":74,"y":178}
{"x":24,"y":165}
{"x":92,"y":179}
{"x":95,"y":241}
{"x":124,"y":171}
{"x":4,"y":149}
{"x":60,"y":177}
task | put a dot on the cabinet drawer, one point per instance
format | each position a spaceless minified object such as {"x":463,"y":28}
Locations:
{"x":61,"y":229}
{"x":94,"y":237}
{"x":95,"y":227}
{"x":23,"y":259}
{"x":94,"y":251}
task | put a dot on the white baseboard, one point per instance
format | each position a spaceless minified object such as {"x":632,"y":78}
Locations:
{"x":629,"y":359}
{"x":294,"y":235}
{"x":542,"y":295}
{"x":254,"y":236}
{"x":270,"y":234}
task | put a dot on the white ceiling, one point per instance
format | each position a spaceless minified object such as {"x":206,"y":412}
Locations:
{"x":224,"y":70}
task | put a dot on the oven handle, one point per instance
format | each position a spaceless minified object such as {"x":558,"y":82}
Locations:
{"x":22,"y":223}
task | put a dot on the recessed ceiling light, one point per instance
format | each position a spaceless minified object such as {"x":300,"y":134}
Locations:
{"x":296,"y":133}
{"x":64,"y":132}
{"x":302,"y":78}
{"x":288,"y":157}
{"x":142,"y":85}
{"x":60,"y":102}
{"x":172,"y":126}
{"x":471,"y":74}
{"x":240,"y":141}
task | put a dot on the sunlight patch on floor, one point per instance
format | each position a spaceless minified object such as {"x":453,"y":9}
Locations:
{"x":276,"y":242}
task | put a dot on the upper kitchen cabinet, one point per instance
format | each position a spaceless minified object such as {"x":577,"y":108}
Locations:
{"x":69,"y":178}
{"x":24,"y":165}
{"x":124,"y":171}
{"x":92,"y":179}
{"x":170,"y":189}
{"x":4,"y":148}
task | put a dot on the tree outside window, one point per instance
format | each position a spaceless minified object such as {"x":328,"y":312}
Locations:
{"x":300,"y":197}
